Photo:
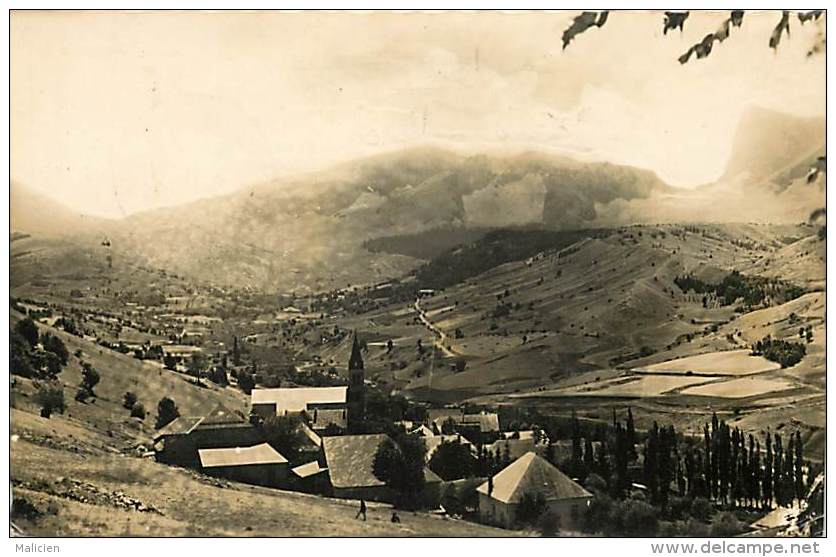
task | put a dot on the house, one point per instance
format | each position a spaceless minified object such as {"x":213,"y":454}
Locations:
{"x":178,"y":442}
{"x":257,"y":464}
{"x":285,"y":401}
{"x":349,"y":459}
{"x":500,"y":496}
{"x":479,"y":428}
{"x":181,"y":353}
{"x":514,"y":448}
{"x":422,"y":431}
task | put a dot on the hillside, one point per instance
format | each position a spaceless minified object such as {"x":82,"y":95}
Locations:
{"x":308,"y":233}
{"x":84,"y":472}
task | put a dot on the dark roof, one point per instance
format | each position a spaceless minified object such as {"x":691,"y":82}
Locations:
{"x":182,"y":425}
{"x":321,"y":418}
{"x":350,"y":459}
{"x":221,"y":415}
{"x":532,"y":474}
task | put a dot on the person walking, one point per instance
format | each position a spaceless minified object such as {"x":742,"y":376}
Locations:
{"x":362,"y":511}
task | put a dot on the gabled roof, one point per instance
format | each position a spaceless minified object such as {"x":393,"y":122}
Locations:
{"x":350,"y":459}
{"x":309,"y":469}
{"x":221,"y":415}
{"x":182,"y":425}
{"x":298,"y":399}
{"x":240,"y":456}
{"x":532,"y":474}
{"x":423,"y":431}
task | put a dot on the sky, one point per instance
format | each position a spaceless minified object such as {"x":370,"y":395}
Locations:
{"x":114,"y":113}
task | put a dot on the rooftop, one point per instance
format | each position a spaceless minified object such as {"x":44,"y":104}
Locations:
{"x":532,"y":474}
{"x":240,"y":456}
{"x":298,"y":399}
{"x":350,"y":459}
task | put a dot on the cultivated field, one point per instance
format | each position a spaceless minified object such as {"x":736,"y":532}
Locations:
{"x":740,"y":388}
{"x":731,"y":362}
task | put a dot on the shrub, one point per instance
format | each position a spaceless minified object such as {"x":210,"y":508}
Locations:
{"x":128,"y":400}
{"x":28,"y":330}
{"x":50,"y":397}
{"x":701,"y":509}
{"x":693,"y":528}
{"x":530,"y":507}
{"x":166,"y":412}
{"x":726,"y":525}
{"x":548,"y":524}
{"x":138,"y":411}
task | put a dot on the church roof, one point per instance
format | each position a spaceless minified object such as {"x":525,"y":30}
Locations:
{"x":532,"y":474}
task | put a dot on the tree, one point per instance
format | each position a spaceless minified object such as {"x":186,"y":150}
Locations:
{"x":128,"y":400}
{"x":166,"y":412}
{"x":283,"y":434}
{"x":170,"y":362}
{"x":401,"y":466}
{"x":89,"y":378}
{"x":28,"y":330}
{"x":530,"y":508}
{"x":138,"y":411}
{"x":246,"y":381}
{"x":50,"y":397}
{"x":20,"y":357}
{"x":55,"y":345}
{"x":453,"y":460}
{"x":196,"y":364}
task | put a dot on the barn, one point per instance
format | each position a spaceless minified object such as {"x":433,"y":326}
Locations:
{"x":258,"y":465}
{"x":531,"y":474}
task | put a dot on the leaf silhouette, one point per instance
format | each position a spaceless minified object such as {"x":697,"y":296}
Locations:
{"x":783,"y":25}
{"x":583,"y":22}
{"x":674,"y":20}
{"x":813,"y":15}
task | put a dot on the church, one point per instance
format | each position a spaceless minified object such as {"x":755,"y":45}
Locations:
{"x":342,"y":407}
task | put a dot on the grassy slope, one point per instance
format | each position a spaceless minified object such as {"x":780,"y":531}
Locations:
{"x":45,"y":452}
{"x":92,"y":443}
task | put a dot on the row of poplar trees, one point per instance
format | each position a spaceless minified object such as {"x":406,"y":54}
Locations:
{"x":725,"y":465}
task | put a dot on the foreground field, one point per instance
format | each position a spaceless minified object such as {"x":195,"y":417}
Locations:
{"x":83,"y":488}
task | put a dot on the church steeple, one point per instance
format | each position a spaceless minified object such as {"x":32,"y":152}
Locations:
{"x":356,"y":387}
{"x":355,"y":361}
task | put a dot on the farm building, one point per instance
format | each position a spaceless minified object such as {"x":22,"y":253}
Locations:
{"x":349,"y":459}
{"x":533,"y":475}
{"x":178,"y":442}
{"x":515,"y":448}
{"x":258,"y":464}
{"x":273,"y":402}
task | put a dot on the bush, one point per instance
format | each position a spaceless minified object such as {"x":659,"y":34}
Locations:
{"x":530,"y":508}
{"x":701,"y":509}
{"x":138,"y":411}
{"x":28,"y":330}
{"x":726,"y":525}
{"x":89,"y":378}
{"x":548,"y":524}
{"x":50,"y":397}
{"x":595,"y":483}
{"x":166,"y":412}
{"x":693,"y":528}
{"x":634,"y":518}
{"x":128,"y":400}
